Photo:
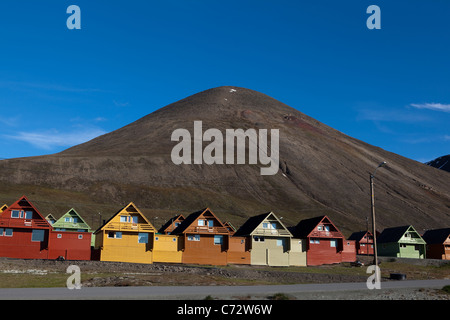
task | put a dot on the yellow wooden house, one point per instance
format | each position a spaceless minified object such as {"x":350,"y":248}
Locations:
{"x":127,"y":237}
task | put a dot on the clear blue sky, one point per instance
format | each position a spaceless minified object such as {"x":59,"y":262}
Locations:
{"x":388,"y":87}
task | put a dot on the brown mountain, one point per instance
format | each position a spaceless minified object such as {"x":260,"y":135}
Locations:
{"x":322,"y":171}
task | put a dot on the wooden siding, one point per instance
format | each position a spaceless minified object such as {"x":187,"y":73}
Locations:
{"x":204,"y":251}
{"x":70,"y":245}
{"x":238,"y":250}
{"x":167,"y":248}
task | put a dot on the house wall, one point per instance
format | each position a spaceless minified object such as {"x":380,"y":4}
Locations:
{"x":348,"y":250}
{"x":69,"y":246}
{"x":389,"y":249}
{"x":412,"y":251}
{"x":20,"y":246}
{"x":238,"y":250}
{"x":204,"y":251}
{"x":322,"y":252}
{"x":268,"y":252}
{"x":166,"y":249}
{"x":127,"y":249}
{"x":297,"y":253}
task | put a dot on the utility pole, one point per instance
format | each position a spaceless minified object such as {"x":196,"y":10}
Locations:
{"x":372,"y":198}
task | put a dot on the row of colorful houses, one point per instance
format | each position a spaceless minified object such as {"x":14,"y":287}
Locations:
{"x":202,"y":238}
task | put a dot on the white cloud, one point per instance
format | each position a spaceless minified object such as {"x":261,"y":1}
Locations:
{"x":52,"y":139}
{"x":432,"y":106}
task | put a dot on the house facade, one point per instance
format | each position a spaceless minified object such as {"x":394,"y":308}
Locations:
{"x":401,"y":242}
{"x":72,"y":221}
{"x":363,"y":242}
{"x":438,"y":243}
{"x":24,"y":232}
{"x":271,"y":243}
{"x":325,"y":244}
{"x":167,"y":248}
{"x":127,"y":237}
{"x":204,"y":239}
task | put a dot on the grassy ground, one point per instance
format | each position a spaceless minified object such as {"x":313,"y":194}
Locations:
{"x":20,"y":274}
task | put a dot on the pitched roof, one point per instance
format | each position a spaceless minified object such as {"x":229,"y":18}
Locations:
{"x":304,"y":227}
{"x":394,"y":234}
{"x":357,"y":236}
{"x":436,"y":236}
{"x":192,"y":217}
{"x":169,"y":222}
{"x":252,"y":223}
{"x":61,"y":223}
{"x":131,"y":204}
{"x":20,"y":203}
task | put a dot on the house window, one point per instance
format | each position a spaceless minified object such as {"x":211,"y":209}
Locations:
{"x":8,"y":232}
{"x":29,"y":215}
{"x":143,"y":237}
{"x":327,"y":228}
{"x":80,"y":236}
{"x":315,"y":241}
{"x":320,"y":228}
{"x":218,"y":239}
{"x":258,"y":239}
{"x":37,"y":235}
{"x":265,"y":225}
{"x":123,"y":218}
{"x":59,"y":236}
{"x":280,"y":242}
{"x":273,"y":225}
{"x":115,"y":235}
{"x":156,"y":238}
{"x":333,"y":243}
{"x":67,"y":219}
{"x":194,"y":237}
{"x":15,"y":214}
{"x":174,"y":239}
{"x":1,"y":232}
{"x":135,"y":219}
{"x":211,"y":223}
{"x":201,"y":223}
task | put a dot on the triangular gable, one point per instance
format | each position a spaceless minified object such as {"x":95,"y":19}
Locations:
{"x":61,"y":223}
{"x":170,"y":224}
{"x":131,"y":208}
{"x":308,"y":227}
{"x":417,"y":238}
{"x":192,"y":220}
{"x":253,"y":224}
{"x":22,"y":204}
{"x":50,"y":218}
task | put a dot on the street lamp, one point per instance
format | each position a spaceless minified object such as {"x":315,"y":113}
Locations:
{"x":374,"y":234}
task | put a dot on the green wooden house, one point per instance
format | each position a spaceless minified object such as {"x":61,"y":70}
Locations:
{"x":401,"y":242}
{"x":72,"y":221}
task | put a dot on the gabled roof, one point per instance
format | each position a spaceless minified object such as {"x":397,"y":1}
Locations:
{"x":436,"y":236}
{"x":304,"y":228}
{"x":358,"y":236}
{"x":192,"y":217}
{"x":180,"y":218}
{"x":394,"y":234}
{"x":60,"y":223}
{"x":249,"y":227}
{"x":24,"y":202}
{"x":50,"y":218}
{"x":123,"y":210}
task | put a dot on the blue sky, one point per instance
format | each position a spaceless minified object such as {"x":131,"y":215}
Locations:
{"x":388,"y":87}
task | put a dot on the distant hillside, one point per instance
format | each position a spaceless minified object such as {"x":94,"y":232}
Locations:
{"x":322,"y":171}
{"x":442,"y":163}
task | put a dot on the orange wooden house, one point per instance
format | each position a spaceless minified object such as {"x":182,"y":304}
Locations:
{"x":206,"y":240}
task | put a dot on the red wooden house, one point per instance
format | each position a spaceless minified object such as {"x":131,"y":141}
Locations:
{"x":363,"y":242}
{"x":24,"y":232}
{"x":325,"y":244}
{"x":70,"y":245}
{"x":204,"y":239}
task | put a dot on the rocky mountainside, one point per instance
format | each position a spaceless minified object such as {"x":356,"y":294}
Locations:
{"x":322,"y":171}
{"x":442,"y":163}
